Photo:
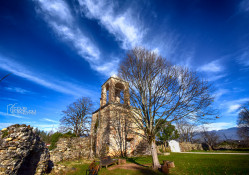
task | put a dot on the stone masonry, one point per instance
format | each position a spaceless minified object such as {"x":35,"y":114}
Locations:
{"x":22,"y":152}
{"x":108,"y":137}
{"x":71,"y":149}
{"x":187,"y":146}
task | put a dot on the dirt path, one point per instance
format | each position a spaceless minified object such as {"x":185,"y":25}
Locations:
{"x":212,"y":153}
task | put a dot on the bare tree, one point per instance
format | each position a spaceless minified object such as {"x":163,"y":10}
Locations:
{"x":243,"y":122}
{"x":120,"y":125}
{"x":159,"y":90}
{"x":77,"y":117}
{"x":186,"y":130}
{"x":210,"y":137}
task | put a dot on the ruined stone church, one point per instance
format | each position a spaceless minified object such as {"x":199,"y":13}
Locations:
{"x":111,"y":128}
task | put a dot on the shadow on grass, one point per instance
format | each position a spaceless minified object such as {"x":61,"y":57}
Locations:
{"x":138,"y":171}
{"x":145,"y":169}
{"x":149,"y":171}
{"x":133,"y":160}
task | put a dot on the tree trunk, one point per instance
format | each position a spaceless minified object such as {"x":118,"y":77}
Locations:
{"x":155,"y":160}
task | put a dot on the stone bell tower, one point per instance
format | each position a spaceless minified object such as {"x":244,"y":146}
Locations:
{"x":114,"y":113}
{"x":115,"y":90}
{"x":114,"y":97}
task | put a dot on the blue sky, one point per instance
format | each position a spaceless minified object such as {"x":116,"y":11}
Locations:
{"x":61,"y":50}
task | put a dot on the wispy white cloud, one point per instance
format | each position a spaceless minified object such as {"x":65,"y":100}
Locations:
{"x":243,"y":59}
{"x":13,"y":115}
{"x":214,"y":66}
{"x":128,"y":28}
{"x":109,"y":68}
{"x":18,"y":90}
{"x":47,"y":127}
{"x":233,"y":105}
{"x":8,"y":99}
{"x":59,"y":17}
{"x":5,"y":125}
{"x":244,"y":6}
{"x":48,"y":82}
{"x":50,"y":120}
{"x":56,"y":9}
{"x":220,"y":92}
{"x":125,"y":25}
{"x":122,"y":25}
{"x":57,"y":14}
{"x":217,"y":126}
{"x":214,"y":77}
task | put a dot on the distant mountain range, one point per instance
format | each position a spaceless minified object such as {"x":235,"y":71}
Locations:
{"x":230,"y":133}
{"x":224,"y":134}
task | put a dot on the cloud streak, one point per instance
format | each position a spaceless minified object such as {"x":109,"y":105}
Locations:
{"x":213,"y":66}
{"x":47,"y":127}
{"x":5,"y":125}
{"x":243,"y":59}
{"x":18,"y":90}
{"x":50,"y":120}
{"x":233,"y":105}
{"x":58,"y":16}
{"x":122,"y":25}
{"x":217,"y":126}
{"x":13,"y":115}
{"x":244,"y":6}
{"x":56,"y":85}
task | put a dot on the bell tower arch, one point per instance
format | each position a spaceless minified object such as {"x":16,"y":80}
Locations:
{"x":115,"y":90}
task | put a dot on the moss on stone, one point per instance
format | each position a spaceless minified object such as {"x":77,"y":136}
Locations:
{"x":5,"y":133}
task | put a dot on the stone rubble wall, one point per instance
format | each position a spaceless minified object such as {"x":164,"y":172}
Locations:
{"x":71,"y":149}
{"x":187,"y":146}
{"x":22,"y":152}
{"x":228,"y":146}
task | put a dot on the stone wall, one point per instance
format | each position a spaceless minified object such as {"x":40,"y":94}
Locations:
{"x":71,"y":149}
{"x":22,"y":152}
{"x":187,"y":146}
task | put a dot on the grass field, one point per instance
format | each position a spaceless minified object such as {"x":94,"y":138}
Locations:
{"x":245,"y":150}
{"x":185,"y":164}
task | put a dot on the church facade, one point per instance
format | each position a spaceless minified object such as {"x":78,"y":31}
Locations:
{"x":112,"y":129}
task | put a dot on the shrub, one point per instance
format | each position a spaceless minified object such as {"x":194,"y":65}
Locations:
{"x":69,"y":134}
{"x":56,"y":136}
{"x":5,"y":133}
{"x":54,"y":139}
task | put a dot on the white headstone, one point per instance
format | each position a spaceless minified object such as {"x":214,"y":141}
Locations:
{"x":174,"y":146}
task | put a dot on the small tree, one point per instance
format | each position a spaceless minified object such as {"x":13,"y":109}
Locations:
{"x":159,"y":90}
{"x":243,"y":122}
{"x":77,"y":117}
{"x":45,"y":136}
{"x":167,"y":133}
{"x":210,"y":137}
{"x":186,"y":130}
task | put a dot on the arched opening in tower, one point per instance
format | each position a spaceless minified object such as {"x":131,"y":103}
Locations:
{"x":107,"y":93}
{"x":119,"y":93}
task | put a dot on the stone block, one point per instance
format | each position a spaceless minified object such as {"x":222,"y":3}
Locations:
{"x":12,"y":148}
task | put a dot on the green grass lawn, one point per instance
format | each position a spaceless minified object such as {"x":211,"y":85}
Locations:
{"x":245,"y":150}
{"x":185,"y":164}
